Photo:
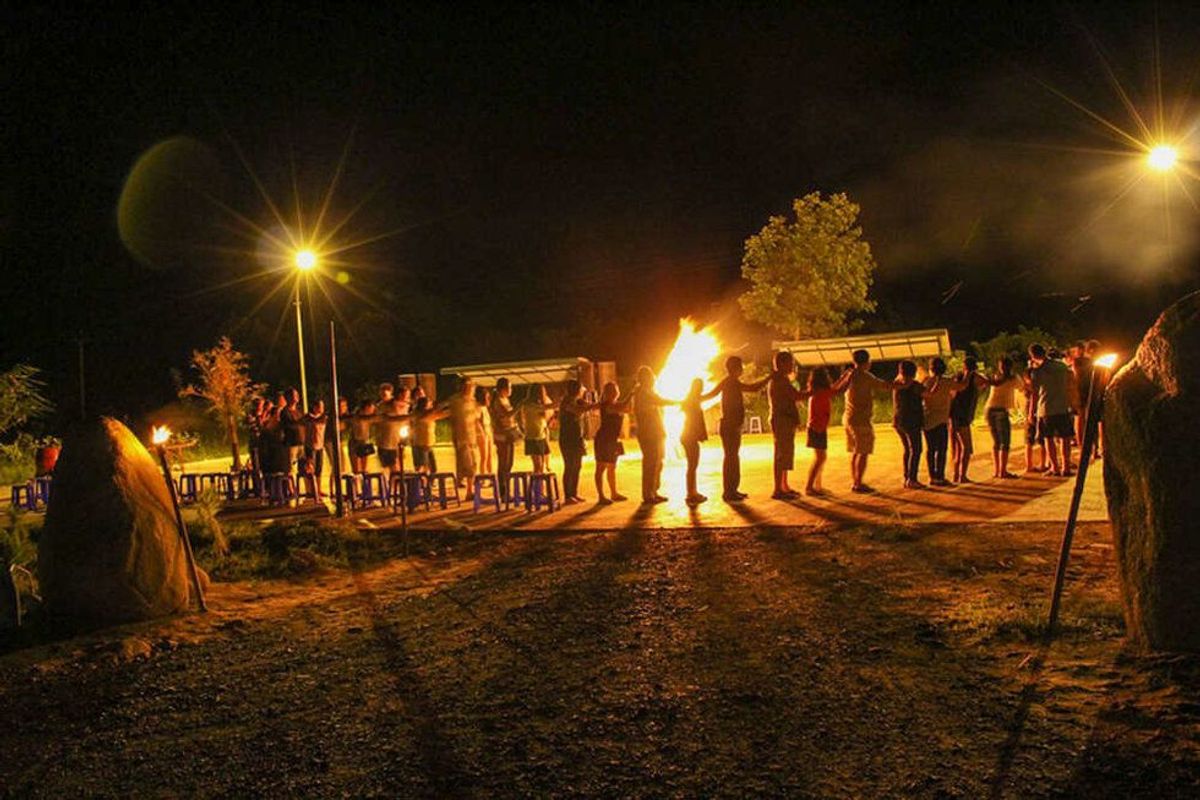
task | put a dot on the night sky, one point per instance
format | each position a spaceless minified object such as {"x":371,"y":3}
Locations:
{"x":570,"y":180}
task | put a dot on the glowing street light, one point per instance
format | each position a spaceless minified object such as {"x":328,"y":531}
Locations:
{"x":1093,"y":409}
{"x":1162,"y":158}
{"x":305,"y":260}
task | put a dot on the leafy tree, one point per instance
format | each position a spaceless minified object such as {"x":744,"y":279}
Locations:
{"x":808,"y":275}
{"x":21,"y":397}
{"x":1013,"y":345}
{"x":226,"y":386}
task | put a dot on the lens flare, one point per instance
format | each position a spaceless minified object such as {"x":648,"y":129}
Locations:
{"x":690,"y":358}
{"x":1162,"y":158}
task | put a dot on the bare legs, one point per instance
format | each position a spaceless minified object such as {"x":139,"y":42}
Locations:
{"x":813,"y":485}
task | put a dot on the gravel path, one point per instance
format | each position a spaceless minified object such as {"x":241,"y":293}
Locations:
{"x":867,"y":662}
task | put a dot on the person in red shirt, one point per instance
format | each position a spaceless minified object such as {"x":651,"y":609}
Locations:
{"x":820,"y":394}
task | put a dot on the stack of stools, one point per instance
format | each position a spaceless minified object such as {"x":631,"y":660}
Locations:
{"x":306,"y":488}
{"x":42,"y":484}
{"x":350,"y":489}
{"x":543,"y":491}
{"x":443,"y":496}
{"x":281,"y":488}
{"x":249,"y":484}
{"x":487,"y":482}
{"x":219,"y":481}
{"x":412,"y":491}
{"x":518,"y":490}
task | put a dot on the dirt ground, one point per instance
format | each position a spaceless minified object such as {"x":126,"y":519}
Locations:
{"x":861,"y":661}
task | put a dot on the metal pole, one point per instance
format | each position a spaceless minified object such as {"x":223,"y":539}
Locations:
{"x":182,"y":527}
{"x":403,"y":500}
{"x":1090,"y":424}
{"x":337,"y":425}
{"x":300,"y":348}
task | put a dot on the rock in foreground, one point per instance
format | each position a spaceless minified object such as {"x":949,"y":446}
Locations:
{"x":109,"y":551}
{"x":1151,"y":472}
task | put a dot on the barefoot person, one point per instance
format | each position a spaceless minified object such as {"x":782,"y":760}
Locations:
{"x":608,"y":442}
{"x":939,"y":391}
{"x":861,"y":386}
{"x":536,"y":413}
{"x":1050,"y":381}
{"x":391,"y":416}
{"x":962,"y":416}
{"x":820,"y":393}
{"x":783,"y":396}
{"x":314,"y":445}
{"x":425,"y":418}
{"x":1001,"y":398}
{"x":570,"y":438}
{"x":464,"y":429}
{"x":506,"y":432}
{"x":733,"y":418}
{"x":694,"y":432}
{"x":908,"y":418}
{"x":485,"y":434}
{"x":362,"y":446}
{"x":651,"y":433}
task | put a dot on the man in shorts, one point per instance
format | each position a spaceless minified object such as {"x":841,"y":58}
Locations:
{"x":1050,"y":380}
{"x":391,"y":419}
{"x":464,"y":414}
{"x":861,"y":386}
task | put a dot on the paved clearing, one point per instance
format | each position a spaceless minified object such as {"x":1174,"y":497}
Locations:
{"x":866,"y":661}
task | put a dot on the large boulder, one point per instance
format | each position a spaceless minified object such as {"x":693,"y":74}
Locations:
{"x":110,"y":551}
{"x":1151,"y":472}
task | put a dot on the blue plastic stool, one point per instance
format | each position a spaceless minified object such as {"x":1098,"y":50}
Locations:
{"x":23,"y":495}
{"x":518,"y":490}
{"x":41,"y":487}
{"x":350,"y":489}
{"x":189,"y":487}
{"x":443,"y":497}
{"x":280,"y":488}
{"x":249,"y":484}
{"x":373,"y":490}
{"x":487,"y":482}
{"x":219,"y":481}
{"x":412,"y":491}
{"x":543,"y":491}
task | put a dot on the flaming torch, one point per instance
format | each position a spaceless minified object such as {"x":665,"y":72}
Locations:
{"x":159,"y":436}
{"x":690,"y":358}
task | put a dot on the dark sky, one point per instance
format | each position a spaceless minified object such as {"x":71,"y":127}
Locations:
{"x":571,"y":180}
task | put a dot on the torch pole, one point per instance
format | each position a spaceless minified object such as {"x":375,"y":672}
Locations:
{"x":1090,"y":425}
{"x":337,"y":425}
{"x":182,"y":527}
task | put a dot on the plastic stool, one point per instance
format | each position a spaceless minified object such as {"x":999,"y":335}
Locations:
{"x":22,"y":495}
{"x":543,"y":491}
{"x":487,"y":482}
{"x":518,"y":490}
{"x":280,"y":488}
{"x":755,"y":425}
{"x":350,"y":489}
{"x":412,"y":491}
{"x":373,"y":490}
{"x":443,"y":497}
{"x":249,"y":484}
{"x":41,"y":488}
{"x":306,"y":488}
{"x":189,"y":487}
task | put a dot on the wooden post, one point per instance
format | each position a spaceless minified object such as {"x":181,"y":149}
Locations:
{"x":182,"y":527}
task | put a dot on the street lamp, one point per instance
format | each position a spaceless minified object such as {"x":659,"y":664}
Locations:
{"x":305,"y":260}
{"x":1162,"y":158}
{"x":1093,"y":409}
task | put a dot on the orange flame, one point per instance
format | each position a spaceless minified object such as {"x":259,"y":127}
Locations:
{"x":159,"y":434}
{"x":690,"y":358}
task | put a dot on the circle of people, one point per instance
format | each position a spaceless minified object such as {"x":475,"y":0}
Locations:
{"x":935,"y":414}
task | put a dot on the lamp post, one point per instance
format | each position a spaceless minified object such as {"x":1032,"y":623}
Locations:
{"x":1091,"y":424}
{"x":305,"y":260}
{"x":159,"y":437}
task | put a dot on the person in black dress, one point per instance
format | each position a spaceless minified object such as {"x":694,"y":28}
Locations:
{"x":908,"y":417}
{"x":608,"y":442}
